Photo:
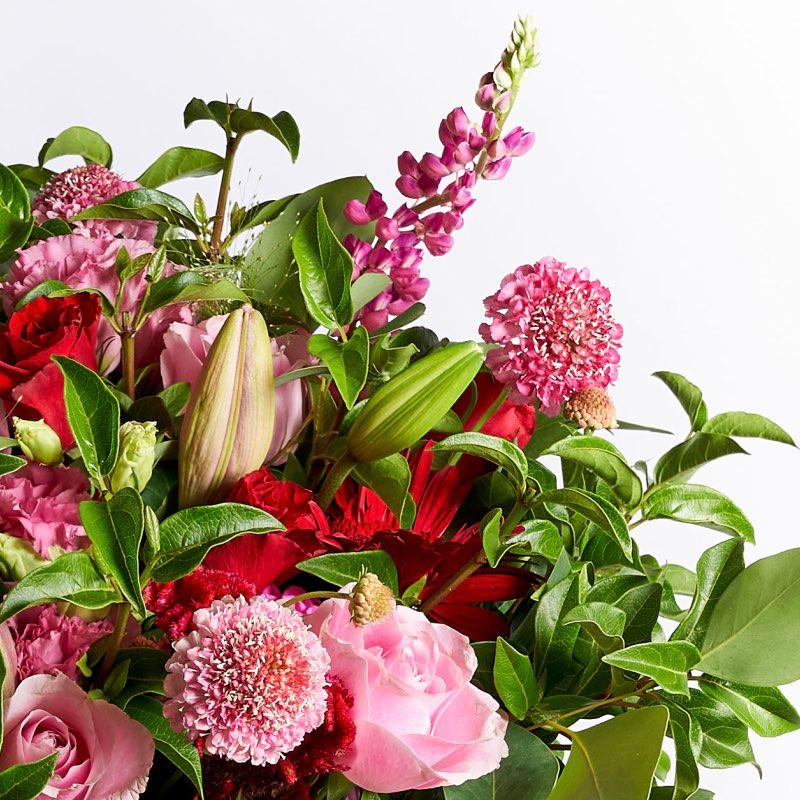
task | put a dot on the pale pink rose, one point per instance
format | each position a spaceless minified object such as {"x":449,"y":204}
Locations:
{"x":40,"y":504}
{"x":185,"y":351}
{"x":102,"y":753}
{"x":419,"y":721}
{"x":89,"y":263}
{"x":46,"y":641}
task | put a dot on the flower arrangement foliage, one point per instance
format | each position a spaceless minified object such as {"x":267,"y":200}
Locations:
{"x":261,"y":536}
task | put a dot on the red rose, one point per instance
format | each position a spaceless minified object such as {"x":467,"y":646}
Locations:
{"x":31,"y":384}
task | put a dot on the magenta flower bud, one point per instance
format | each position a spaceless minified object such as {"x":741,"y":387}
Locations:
{"x":495,"y":170}
{"x":405,"y":216}
{"x":387,"y":229}
{"x":428,"y":186}
{"x":476,"y":141}
{"x":489,"y":124}
{"x":463,"y":154}
{"x":409,"y":187}
{"x":433,"y":166}
{"x":445,"y":135}
{"x":452,"y":221}
{"x":497,"y":149}
{"x":356,"y":212}
{"x":484,"y":97}
{"x":375,"y":205}
{"x":438,"y":243}
{"x":502,"y":102}
{"x":521,"y":142}
{"x":407,"y":164}
{"x":458,"y":122}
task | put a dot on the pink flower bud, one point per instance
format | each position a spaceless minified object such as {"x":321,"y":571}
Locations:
{"x":497,"y":149}
{"x":407,"y":164}
{"x":484,"y":97}
{"x":502,"y":102}
{"x":463,"y":153}
{"x":489,"y":124}
{"x":375,"y":205}
{"x":405,"y":216}
{"x":409,"y":187}
{"x":438,"y":243}
{"x":458,"y":122}
{"x":356,"y":212}
{"x":495,"y":170}
{"x":387,"y":229}
{"x":519,"y":141}
{"x":433,"y":166}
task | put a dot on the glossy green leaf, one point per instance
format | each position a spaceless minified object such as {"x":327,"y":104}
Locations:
{"x":389,"y":478}
{"x":698,"y":505}
{"x":615,"y":760}
{"x":514,"y":679}
{"x":191,"y":287}
{"x":667,"y":663}
{"x":755,"y":626}
{"x":367,"y":287}
{"x":552,"y":641}
{"x":689,"y":396}
{"x":180,"y":162}
{"x":146,"y":670}
{"x":282,"y":126}
{"x":77,"y":141}
{"x":115,"y":528}
{"x":538,"y":537}
{"x":93,"y":416}
{"x":641,"y":605}
{"x":16,"y":222}
{"x":741,"y":423}
{"x":348,"y":361}
{"x":343,"y":568}
{"x":498,"y":451}
{"x":213,"y":110}
{"x":188,"y":535}
{"x":73,"y":577}
{"x":686,"y":736}
{"x":33,"y":177}
{"x":9,"y":464}
{"x":142,"y":203}
{"x":683,"y":460}
{"x":27,"y":780}
{"x":602,"y":621}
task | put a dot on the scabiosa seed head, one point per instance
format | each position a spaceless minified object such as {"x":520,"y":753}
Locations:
{"x":591,"y":408}
{"x":370,"y":601}
{"x":249,"y":681}
{"x":555,"y":333}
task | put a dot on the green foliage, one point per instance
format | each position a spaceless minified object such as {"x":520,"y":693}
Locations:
{"x":498,"y":451}
{"x":348,"y":361}
{"x":16,"y":221}
{"x":77,"y":141}
{"x":149,"y":204}
{"x":514,"y":679}
{"x":343,"y":568}
{"x":180,"y":162}
{"x":667,"y":663}
{"x":26,"y":781}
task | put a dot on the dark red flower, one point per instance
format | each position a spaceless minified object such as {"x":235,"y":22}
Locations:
{"x":31,"y":384}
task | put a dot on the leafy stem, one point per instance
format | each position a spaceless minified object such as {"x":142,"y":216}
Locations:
{"x":115,"y":640}
{"x":231,"y":146}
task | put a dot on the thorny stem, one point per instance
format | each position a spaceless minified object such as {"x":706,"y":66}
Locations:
{"x":222,"y":199}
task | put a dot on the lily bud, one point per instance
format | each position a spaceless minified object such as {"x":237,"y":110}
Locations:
{"x":38,"y":441}
{"x":137,"y":452}
{"x":370,"y":601}
{"x":405,"y":408}
{"x":229,"y":422}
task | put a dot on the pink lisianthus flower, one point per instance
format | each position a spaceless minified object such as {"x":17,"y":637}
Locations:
{"x":102,"y":753}
{"x":554,"y":331}
{"x":186,"y":347}
{"x":89,"y":263}
{"x":47,"y":641}
{"x":79,"y":188}
{"x":40,"y":504}
{"x":419,"y":721}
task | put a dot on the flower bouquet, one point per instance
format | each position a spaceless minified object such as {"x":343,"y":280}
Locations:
{"x":263,"y":536}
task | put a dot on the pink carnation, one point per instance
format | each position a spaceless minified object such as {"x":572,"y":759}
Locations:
{"x":40,"y":504}
{"x":249,"y":680}
{"x":79,"y":188}
{"x":555,"y":333}
{"x":102,"y":754}
{"x":84,"y":263}
{"x":47,"y":641}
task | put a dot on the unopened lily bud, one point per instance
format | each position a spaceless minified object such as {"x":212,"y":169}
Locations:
{"x":405,"y":408}
{"x":137,"y":451}
{"x":229,"y":422}
{"x":370,"y":601}
{"x":591,"y":408}
{"x":38,"y":440}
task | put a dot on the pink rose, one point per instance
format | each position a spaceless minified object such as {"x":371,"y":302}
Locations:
{"x":40,"y":504}
{"x":102,"y":753}
{"x":185,"y":351}
{"x":46,"y":641}
{"x":419,"y":721}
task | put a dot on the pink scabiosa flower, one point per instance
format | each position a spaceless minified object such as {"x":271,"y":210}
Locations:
{"x":555,"y":333}
{"x":40,"y":504}
{"x":79,"y":188}
{"x":249,"y":681}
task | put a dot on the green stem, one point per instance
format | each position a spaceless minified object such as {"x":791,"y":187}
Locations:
{"x":128,"y":356}
{"x":335,"y":478}
{"x":115,"y":641}
{"x":222,"y":199}
{"x":321,"y":595}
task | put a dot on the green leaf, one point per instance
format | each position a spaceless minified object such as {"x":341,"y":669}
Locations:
{"x":174,"y":746}
{"x":115,"y":527}
{"x":77,"y":141}
{"x":142,"y":203}
{"x":401,"y":320}
{"x":641,"y":605}
{"x":602,"y":621}
{"x":348,"y":361}
{"x":604,"y":460}
{"x":514,"y":679}
{"x":741,"y":423}
{"x":26,"y":781}
{"x":490,"y":537}
{"x":214,"y":110}
{"x":538,"y":537}
{"x":180,"y":162}
{"x":343,"y":568}
{"x":367,"y":287}
{"x":754,"y":628}
{"x":681,"y":462}
{"x":594,"y":508}
{"x":529,"y":771}
{"x":326,"y":270}
{"x":698,"y":505}
{"x":633,"y":426}
{"x":686,"y":735}
{"x":552,"y":641}
{"x":9,"y":464}
{"x":32,"y":177}
{"x":498,"y":451}
{"x":73,"y":577}
{"x":282,"y":126}
{"x":717,"y":567}
{"x":243,"y":219}
{"x":188,"y":535}
{"x":16,"y":222}
{"x":615,"y":760}
{"x":667,"y":663}
{"x":389,"y":478}
{"x":190,"y":287}
{"x":93,"y":416}
{"x":689,"y":396}
{"x":765,"y":709}
{"x":145,"y":673}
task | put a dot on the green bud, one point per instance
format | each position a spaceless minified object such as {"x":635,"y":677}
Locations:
{"x":137,"y":447}
{"x":405,"y":408}
{"x":38,"y":440}
{"x":17,"y":558}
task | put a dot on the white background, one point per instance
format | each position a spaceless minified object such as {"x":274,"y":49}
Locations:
{"x":666,"y":161}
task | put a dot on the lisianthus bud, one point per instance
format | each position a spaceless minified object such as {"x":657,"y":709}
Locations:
{"x":17,"y":558}
{"x":231,"y":414}
{"x":410,"y":404}
{"x":137,"y":449}
{"x":591,"y":408}
{"x":370,"y":601}
{"x":38,"y":440}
